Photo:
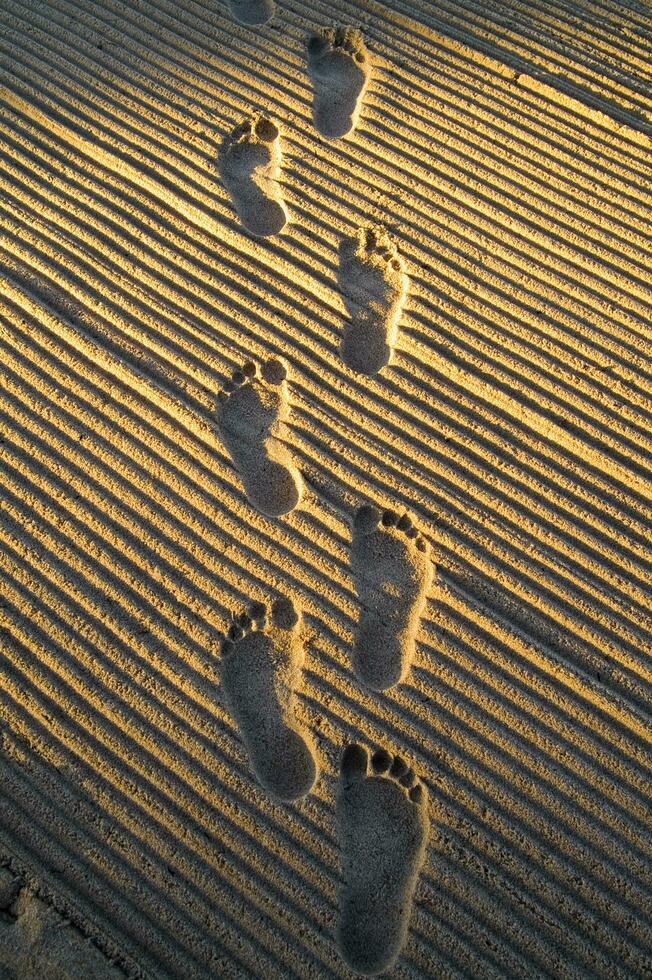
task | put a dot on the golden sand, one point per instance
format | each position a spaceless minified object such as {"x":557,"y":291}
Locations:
{"x":315,"y":343}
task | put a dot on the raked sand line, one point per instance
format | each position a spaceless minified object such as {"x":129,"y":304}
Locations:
{"x":204,"y":221}
{"x":251,"y":412}
{"x":249,"y":162}
{"x":37,"y":942}
{"x":152,"y":262}
{"x":252,"y":12}
{"x":262,"y":658}
{"x":392,"y":570}
{"x":383,"y":825}
{"x":339,"y":68}
{"x":373,"y":283}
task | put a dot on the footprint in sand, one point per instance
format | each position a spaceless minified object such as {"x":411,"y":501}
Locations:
{"x":262,"y":658}
{"x":339,"y":67}
{"x":249,"y":162}
{"x":252,"y":410}
{"x":252,"y":12}
{"x":383,"y":825}
{"x":374,"y":286}
{"x":392,"y":570}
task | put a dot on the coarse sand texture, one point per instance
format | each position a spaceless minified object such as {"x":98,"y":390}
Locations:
{"x":252,"y":12}
{"x":249,"y":162}
{"x":339,"y":68}
{"x":262,"y":659}
{"x":325,"y":421}
{"x":252,"y":410}
{"x":374,"y":287}
{"x":382,"y":817}
{"x":392,"y":570}
{"x":36,"y":943}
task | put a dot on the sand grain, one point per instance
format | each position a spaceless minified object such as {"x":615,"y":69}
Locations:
{"x":506,"y":410}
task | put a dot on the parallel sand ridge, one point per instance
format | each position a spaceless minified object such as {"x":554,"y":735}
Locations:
{"x":599,"y":53}
{"x":513,"y":422}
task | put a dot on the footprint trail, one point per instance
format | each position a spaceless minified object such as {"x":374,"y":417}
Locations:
{"x":249,"y":162}
{"x":252,"y":12}
{"x":382,"y":817}
{"x":262,"y":659}
{"x":392,"y":570}
{"x":252,"y":410}
{"x":374,"y":286}
{"x":339,"y":68}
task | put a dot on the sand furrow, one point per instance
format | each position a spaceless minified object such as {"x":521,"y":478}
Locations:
{"x":197,"y":732}
{"x":557,"y":620}
{"x":89,"y":788}
{"x":462,"y":806}
{"x":140,"y":772}
{"x":522,"y":50}
{"x":44,"y":854}
{"x":180,"y":79}
{"x":206,"y":587}
{"x":630,"y":352}
{"x":421,"y":436}
{"x":478,"y":215}
{"x":414,"y":717}
{"x":611,"y":417}
{"x":53,"y":494}
{"x":523,"y":367}
{"x":554,"y":429}
{"x":504,"y":153}
{"x":468,"y":147}
{"x":178,"y":944}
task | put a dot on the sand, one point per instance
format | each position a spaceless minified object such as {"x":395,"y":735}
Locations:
{"x":339,"y":68}
{"x":445,"y":248}
{"x":262,"y":660}
{"x":38,"y":944}
{"x":383,"y":831}
{"x":252,"y":414}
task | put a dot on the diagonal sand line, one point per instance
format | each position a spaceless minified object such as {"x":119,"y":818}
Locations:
{"x":535,"y":420}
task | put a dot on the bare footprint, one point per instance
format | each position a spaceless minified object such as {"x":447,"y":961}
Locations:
{"x":261,"y":666}
{"x":249,"y":161}
{"x":374,"y":286}
{"x":383,"y":827}
{"x":339,"y":68}
{"x":393,"y":571}
{"x":252,"y":12}
{"x":252,"y":410}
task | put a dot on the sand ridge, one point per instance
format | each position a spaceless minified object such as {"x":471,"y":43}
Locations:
{"x":512,"y":421}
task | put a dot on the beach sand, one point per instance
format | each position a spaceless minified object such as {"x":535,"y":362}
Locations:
{"x":325,"y":363}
